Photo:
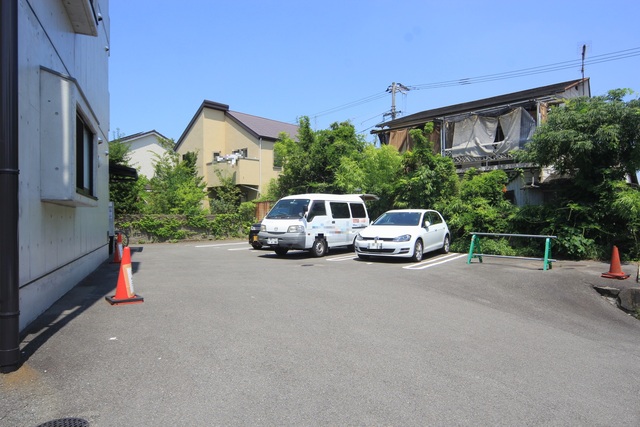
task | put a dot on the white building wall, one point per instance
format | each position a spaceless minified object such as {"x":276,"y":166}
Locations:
{"x":59,"y":245}
{"x":144,"y":152}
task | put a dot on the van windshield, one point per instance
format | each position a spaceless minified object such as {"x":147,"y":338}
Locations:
{"x":289,"y":208}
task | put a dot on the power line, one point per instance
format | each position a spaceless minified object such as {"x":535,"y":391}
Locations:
{"x":352,"y":104}
{"x":607,"y":57}
{"x":614,"y":56}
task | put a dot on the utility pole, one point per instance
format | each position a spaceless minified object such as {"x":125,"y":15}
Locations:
{"x":395,"y":87}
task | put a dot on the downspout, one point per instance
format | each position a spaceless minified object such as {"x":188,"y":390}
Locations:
{"x":260,"y":169}
{"x":9,"y":278}
{"x":442,"y":137}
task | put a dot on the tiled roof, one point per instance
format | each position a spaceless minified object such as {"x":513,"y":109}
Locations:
{"x":264,"y":128}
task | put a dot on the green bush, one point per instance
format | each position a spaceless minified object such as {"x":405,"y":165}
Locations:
{"x":170,"y":228}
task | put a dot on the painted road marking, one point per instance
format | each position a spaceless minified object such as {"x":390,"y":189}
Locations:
{"x":221,"y":244}
{"x":433,"y":262}
{"x":342,"y":257}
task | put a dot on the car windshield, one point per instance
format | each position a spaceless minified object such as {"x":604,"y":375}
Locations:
{"x":289,"y":208}
{"x":398,"y":218}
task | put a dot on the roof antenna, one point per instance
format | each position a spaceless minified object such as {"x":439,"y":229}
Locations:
{"x":583,"y":48}
{"x":584,"y":53}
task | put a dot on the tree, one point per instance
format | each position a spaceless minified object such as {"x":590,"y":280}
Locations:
{"x":596,"y":140}
{"x":126,"y":195}
{"x":427,"y":179}
{"x":310,"y":163}
{"x":373,"y":171}
{"x":176,"y":187}
{"x":227,"y":197}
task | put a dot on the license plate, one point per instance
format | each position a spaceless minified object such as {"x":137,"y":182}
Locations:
{"x":272,"y":241}
{"x":375,"y":245}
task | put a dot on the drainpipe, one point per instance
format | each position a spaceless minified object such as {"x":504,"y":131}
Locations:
{"x":260,"y":168}
{"x":9,"y":279}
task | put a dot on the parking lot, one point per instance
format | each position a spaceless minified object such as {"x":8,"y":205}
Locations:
{"x":229,"y":335}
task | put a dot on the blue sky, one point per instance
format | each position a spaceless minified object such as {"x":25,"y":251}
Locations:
{"x":334,"y":60}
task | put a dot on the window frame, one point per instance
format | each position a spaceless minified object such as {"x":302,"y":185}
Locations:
{"x":340,"y":211}
{"x":85,"y":163}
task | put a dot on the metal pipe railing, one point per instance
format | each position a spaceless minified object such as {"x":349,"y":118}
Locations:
{"x":475,"y":242}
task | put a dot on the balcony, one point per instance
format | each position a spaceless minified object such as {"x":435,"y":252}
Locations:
{"x":243,"y":171}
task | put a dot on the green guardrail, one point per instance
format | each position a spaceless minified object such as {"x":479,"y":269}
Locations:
{"x":475,"y":245}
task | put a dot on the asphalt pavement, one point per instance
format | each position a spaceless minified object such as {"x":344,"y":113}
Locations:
{"x":228,"y":335}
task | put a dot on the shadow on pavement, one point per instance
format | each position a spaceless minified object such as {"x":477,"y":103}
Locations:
{"x":101,"y":282}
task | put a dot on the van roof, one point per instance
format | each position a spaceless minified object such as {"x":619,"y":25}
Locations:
{"x":341,"y":197}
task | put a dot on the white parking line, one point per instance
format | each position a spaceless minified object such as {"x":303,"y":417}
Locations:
{"x":221,"y":244}
{"x":434,"y":262}
{"x":240,"y":249}
{"x":342,"y":257}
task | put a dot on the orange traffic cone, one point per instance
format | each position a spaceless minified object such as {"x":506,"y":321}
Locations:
{"x":117,"y":254}
{"x":615,"y":271}
{"x":124,"y":289}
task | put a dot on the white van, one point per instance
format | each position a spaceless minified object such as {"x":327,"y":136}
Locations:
{"x":314,"y":222}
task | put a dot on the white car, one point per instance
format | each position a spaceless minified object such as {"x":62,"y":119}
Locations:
{"x":404,"y":233}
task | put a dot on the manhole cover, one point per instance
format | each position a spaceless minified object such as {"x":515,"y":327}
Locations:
{"x":66,"y":422}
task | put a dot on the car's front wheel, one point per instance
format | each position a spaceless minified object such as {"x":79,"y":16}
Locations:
{"x":319,"y":248}
{"x":417,"y":251}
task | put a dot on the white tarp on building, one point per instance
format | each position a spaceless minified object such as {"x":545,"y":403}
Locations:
{"x":475,"y":136}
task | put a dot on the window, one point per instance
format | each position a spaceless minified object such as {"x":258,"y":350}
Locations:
{"x":243,"y":152}
{"x":317,"y":209}
{"x":432,"y":217}
{"x":84,"y":157}
{"x":288,"y":208}
{"x":68,"y":149}
{"x":340,"y":210}
{"x":358,"y":211}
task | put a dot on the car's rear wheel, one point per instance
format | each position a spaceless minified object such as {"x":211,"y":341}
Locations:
{"x":319,"y":248}
{"x":445,"y":245}
{"x":417,"y":251}
{"x":281,"y":251}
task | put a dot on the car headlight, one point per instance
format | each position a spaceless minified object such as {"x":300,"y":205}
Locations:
{"x":263,"y":227}
{"x":359,"y":237}
{"x":403,"y":238}
{"x":295,"y":229}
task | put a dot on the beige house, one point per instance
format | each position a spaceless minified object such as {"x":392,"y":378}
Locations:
{"x":144,"y":149}
{"x":236,"y":144}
